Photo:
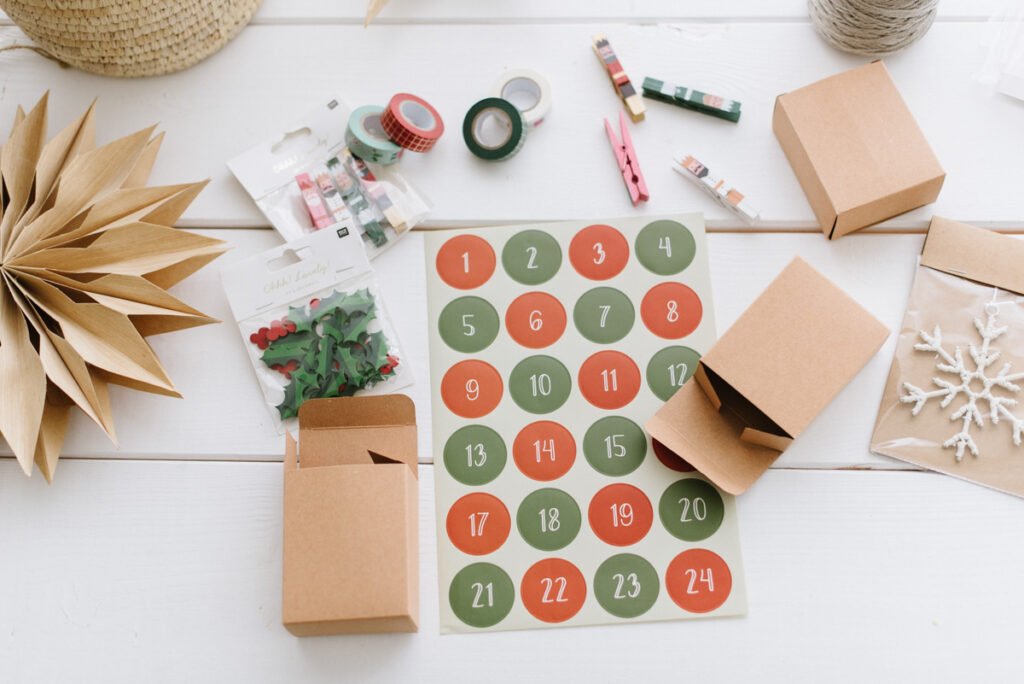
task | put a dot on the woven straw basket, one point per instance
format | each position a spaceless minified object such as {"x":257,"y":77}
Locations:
{"x":130,"y":37}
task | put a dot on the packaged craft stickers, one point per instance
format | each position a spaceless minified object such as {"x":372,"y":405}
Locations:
{"x":953,"y":399}
{"x":550,"y":345}
{"x":313,"y":322}
{"x":305,"y":179}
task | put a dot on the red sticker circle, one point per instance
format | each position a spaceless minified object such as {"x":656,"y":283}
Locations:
{"x":671,"y":310}
{"x":544,"y":450}
{"x":553,"y":590}
{"x":478,"y":524}
{"x":599,"y":252}
{"x":698,"y":580}
{"x":465,"y":262}
{"x":535,"y":319}
{"x":620,"y":514}
{"x":471,"y":389}
{"x":669,"y":459}
{"x":609,"y":379}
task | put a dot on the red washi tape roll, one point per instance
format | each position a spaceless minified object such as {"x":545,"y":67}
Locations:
{"x":411,"y":122}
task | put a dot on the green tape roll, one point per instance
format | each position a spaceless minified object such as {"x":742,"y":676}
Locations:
{"x":367,"y":139}
{"x":503,"y":140}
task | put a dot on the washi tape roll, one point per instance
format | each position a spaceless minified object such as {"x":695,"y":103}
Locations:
{"x":367,"y":138}
{"x":489,"y":141}
{"x":411,"y":122}
{"x":527,"y":90}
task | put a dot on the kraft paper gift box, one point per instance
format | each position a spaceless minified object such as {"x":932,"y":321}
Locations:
{"x":756,"y":390}
{"x":351,"y":538}
{"x":969,"y":286}
{"x":856,"y":149}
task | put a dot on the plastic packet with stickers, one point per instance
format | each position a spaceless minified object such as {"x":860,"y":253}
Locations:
{"x":305,"y":179}
{"x":313,"y":323}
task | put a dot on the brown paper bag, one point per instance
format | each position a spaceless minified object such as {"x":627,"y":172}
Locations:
{"x":967,"y":290}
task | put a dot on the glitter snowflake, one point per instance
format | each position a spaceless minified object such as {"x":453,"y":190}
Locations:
{"x":998,"y":407}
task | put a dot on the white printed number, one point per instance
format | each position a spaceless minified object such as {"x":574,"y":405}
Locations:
{"x":665,"y":245}
{"x":476,"y":456}
{"x":531,"y":258}
{"x":677,"y":374}
{"x":479,"y":590}
{"x":549,"y":586}
{"x":622,"y":515}
{"x":673,"y":311}
{"x":472,"y":389}
{"x":614,"y":447}
{"x":621,"y":590}
{"x":540,"y":384}
{"x":468,"y":329}
{"x":704,"y":577}
{"x":477,"y":522}
{"x":544,"y":447}
{"x":536,"y":322}
{"x":698,"y":507}
{"x":599,"y":253}
{"x":549,"y":520}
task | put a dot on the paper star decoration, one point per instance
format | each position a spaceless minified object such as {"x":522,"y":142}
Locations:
{"x":86,"y":252}
{"x":998,"y":407}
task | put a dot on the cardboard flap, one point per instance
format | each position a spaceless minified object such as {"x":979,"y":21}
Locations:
{"x":800,"y":342}
{"x":724,"y":398}
{"x":355,"y":430}
{"x":689,"y":426}
{"x":975,"y":253}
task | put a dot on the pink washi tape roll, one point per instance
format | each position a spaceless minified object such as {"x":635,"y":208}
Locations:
{"x":411,"y":122}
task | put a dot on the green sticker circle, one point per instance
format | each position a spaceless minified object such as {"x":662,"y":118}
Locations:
{"x":604,"y":315}
{"x":531,"y":257}
{"x":691,"y":509}
{"x":626,"y":585}
{"x":669,"y":369}
{"x":539,"y":384}
{"x":475,"y":455}
{"x":615,"y":446}
{"x":481,"y":595}
{"x":468,"y":324}
{"x":665,"y":247}
{"x":548,"y":519}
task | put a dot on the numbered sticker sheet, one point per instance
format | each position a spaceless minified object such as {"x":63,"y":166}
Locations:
{"x":551,"y":345}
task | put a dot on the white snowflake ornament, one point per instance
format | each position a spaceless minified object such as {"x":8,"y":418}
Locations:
{"x":998,"y":407}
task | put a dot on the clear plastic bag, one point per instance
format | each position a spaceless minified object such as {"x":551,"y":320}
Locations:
{"x":305,"y":179}
{"x":313,"y":323}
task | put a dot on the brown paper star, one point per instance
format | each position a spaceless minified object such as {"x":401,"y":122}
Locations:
{"x":86,"y":252}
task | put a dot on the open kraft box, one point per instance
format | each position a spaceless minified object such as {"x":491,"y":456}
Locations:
{"x":351,"y":510}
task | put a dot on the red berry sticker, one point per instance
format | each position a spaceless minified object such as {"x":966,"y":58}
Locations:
{"x":553,"y":590}
{"x":599,"y":252}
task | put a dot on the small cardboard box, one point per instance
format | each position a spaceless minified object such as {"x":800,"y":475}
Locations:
{"x":856,"y":149}
{"x":351,"y":537}
{"x":767,"y":378}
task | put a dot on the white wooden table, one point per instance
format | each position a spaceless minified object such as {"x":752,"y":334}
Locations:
{"x":159,"y":560}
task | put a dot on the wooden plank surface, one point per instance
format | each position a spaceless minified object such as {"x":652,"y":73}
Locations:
{"x":223,"y":415}
{"x":170,"y":572}
{"x":566,"y":170}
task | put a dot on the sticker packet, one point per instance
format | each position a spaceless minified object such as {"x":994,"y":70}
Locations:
{"x":953,"y":400}
{"x":305,"y":179}
{"x":313,"y":323}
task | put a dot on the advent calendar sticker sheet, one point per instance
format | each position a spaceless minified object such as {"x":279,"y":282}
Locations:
{"x":550,"y":345}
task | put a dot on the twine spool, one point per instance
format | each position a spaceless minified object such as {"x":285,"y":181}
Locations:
{"x":130,"y":37}
{"x":872,"y":27}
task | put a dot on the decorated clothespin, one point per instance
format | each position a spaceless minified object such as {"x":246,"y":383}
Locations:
{"x":731,"y":199}
{"x":629,"y":166}
{"x":705,"y":103}
{"x":634,"y":103}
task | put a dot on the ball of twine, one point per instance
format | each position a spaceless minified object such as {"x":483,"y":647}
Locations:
{"x":872,"y":27}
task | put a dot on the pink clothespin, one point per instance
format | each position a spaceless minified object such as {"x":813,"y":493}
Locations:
{"x":629,"y":165}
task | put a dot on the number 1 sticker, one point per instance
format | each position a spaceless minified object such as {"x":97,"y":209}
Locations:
{"x":465,"y":262}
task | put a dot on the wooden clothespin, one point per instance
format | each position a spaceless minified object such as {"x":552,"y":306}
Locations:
{"x":629,"y":165}
{"x":731,"y":198}
{"x":630,"y":97}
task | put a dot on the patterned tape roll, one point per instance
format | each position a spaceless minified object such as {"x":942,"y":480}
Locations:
{"x":500,"y":142}
{"x":527,"y":90}
{"x":367,"y":138}
{"x":411,"y":122}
